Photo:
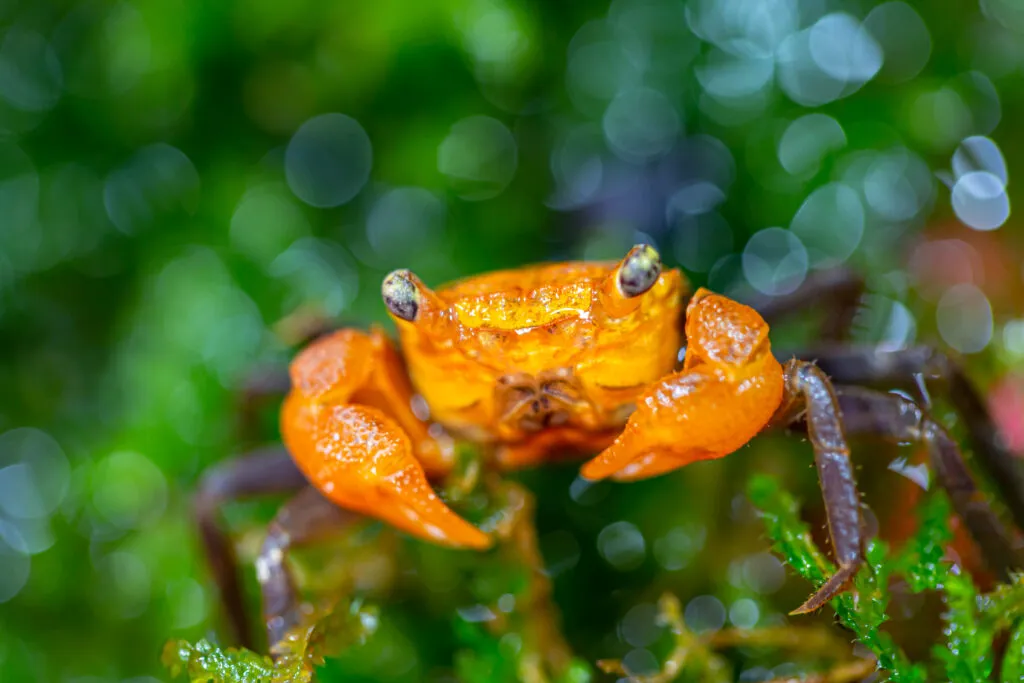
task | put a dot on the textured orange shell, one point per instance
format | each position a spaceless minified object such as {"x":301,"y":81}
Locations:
{"x":536,"y":319}
{"x":480,"y":349}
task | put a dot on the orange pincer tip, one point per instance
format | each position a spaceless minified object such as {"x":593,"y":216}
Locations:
{"x":609,"y":462}
{"x":406,"y":501}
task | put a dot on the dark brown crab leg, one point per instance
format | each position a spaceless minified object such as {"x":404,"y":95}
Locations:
{"x":853,"y":365}
{"x":261,"y":388}
{"x":262,"y":472}
{"x":898,"y":419}
{"x":305,"y":518}
{"x":809,"y":394}
{"x":837,"y":292}
{"x":268,"y":384}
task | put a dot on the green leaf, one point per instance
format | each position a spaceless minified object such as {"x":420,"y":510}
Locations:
{"x":921,"y":561}
{"x":204,"y":662}
{"x":1013,"y":662}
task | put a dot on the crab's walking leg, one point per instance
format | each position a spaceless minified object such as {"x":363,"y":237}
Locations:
{"x":305,"y":518}
{"x":264,"y":472}
{"x":350,"y":426}
{"x":268,"y":384}
{"x":837,"y":292}
{"x":852,"y":365}
{"x":259,"y":388}
{"x":808,"y":390}
{"x":899,"y":420}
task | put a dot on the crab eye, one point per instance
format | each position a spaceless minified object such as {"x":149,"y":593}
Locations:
{"x":639,"y":270}
{"x":400,"y":295}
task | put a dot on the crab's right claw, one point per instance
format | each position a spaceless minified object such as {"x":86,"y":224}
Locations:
{"x":362,"y":460}
{"x":405,"y":500}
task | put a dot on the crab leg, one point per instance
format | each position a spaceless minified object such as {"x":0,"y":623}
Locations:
{"x":304,"y":519}
{"x":897,"y":419}
{"x":837,"y":292}
{"x":349,"y":424}
{"x":264,"y":472}
{"x":851,"y":365}
{"x":809,"y":390}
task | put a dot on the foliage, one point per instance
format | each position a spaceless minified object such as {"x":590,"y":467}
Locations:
{"x":329,"y":630}
{"x":160,"y":215}
{"x":971,"y":621}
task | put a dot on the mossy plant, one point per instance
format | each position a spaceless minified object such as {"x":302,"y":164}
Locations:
{"x":972,"y":621}
{"x":520,"y":639}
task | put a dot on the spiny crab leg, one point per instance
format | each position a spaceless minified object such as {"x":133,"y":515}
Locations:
{"x":852,"y":365}
{"x":808,"y":390}
{"x":899,"y":420}
{"x":304,"y":519}
{"x":348,"y":424}
{"x":730,"y":388}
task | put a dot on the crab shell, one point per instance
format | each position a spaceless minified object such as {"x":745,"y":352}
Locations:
{"x":483,"y":350}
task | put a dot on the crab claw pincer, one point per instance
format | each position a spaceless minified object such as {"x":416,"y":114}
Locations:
{"x":362,"y":460}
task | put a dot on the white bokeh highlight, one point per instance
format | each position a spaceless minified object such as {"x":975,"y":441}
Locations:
{"x":775,"y":261}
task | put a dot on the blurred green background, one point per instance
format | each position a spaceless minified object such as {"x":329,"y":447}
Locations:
{"x":177,"y":177}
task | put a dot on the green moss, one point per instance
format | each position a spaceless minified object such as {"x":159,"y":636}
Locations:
{"x":971,"y":621}
{"x":330,"y":631}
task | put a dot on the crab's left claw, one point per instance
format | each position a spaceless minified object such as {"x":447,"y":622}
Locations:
{"x":727,"y":391}
{"x":625,"y":462}
{"x":688,"y":416}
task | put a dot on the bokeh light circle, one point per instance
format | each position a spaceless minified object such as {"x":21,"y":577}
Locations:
{"x":744,"y":613}
{"x":328,"y":160}
{"x":129,"y":490}
{"x":404,"y":225}
{"x":830,"y":224}
{"x":843,"y":49}
{"x":979,"y":153}
{"x":31,"y":78}
{"x":807,"y":140}
{"x":775,"y":261}
{"x":622,"y":545}
{"x":964,"y":318}
{"x":704,"y":613}
{"x":479,"y":157}
{"x":699,"y":241}
{"x":34,"y":473}
{"x":904,"y":38}
{"x":640,"y":124}
{"x":157,"y":179}
{"x":266,"y":221}
{"x":980,"y":200}
{"x":318,"y":273}
{"x":640,"y":626}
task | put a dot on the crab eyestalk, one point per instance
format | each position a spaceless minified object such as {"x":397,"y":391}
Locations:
{"x":411,"y":301}
{"x":635,"y":275}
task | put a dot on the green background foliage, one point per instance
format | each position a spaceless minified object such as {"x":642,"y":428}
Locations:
{"x":160,"y":214}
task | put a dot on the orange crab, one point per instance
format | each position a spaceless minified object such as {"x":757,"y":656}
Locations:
{"x":537,"y":362}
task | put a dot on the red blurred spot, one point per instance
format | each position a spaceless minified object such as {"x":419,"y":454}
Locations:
{"x":1006,"y":403}
{"x":951,"y":254}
